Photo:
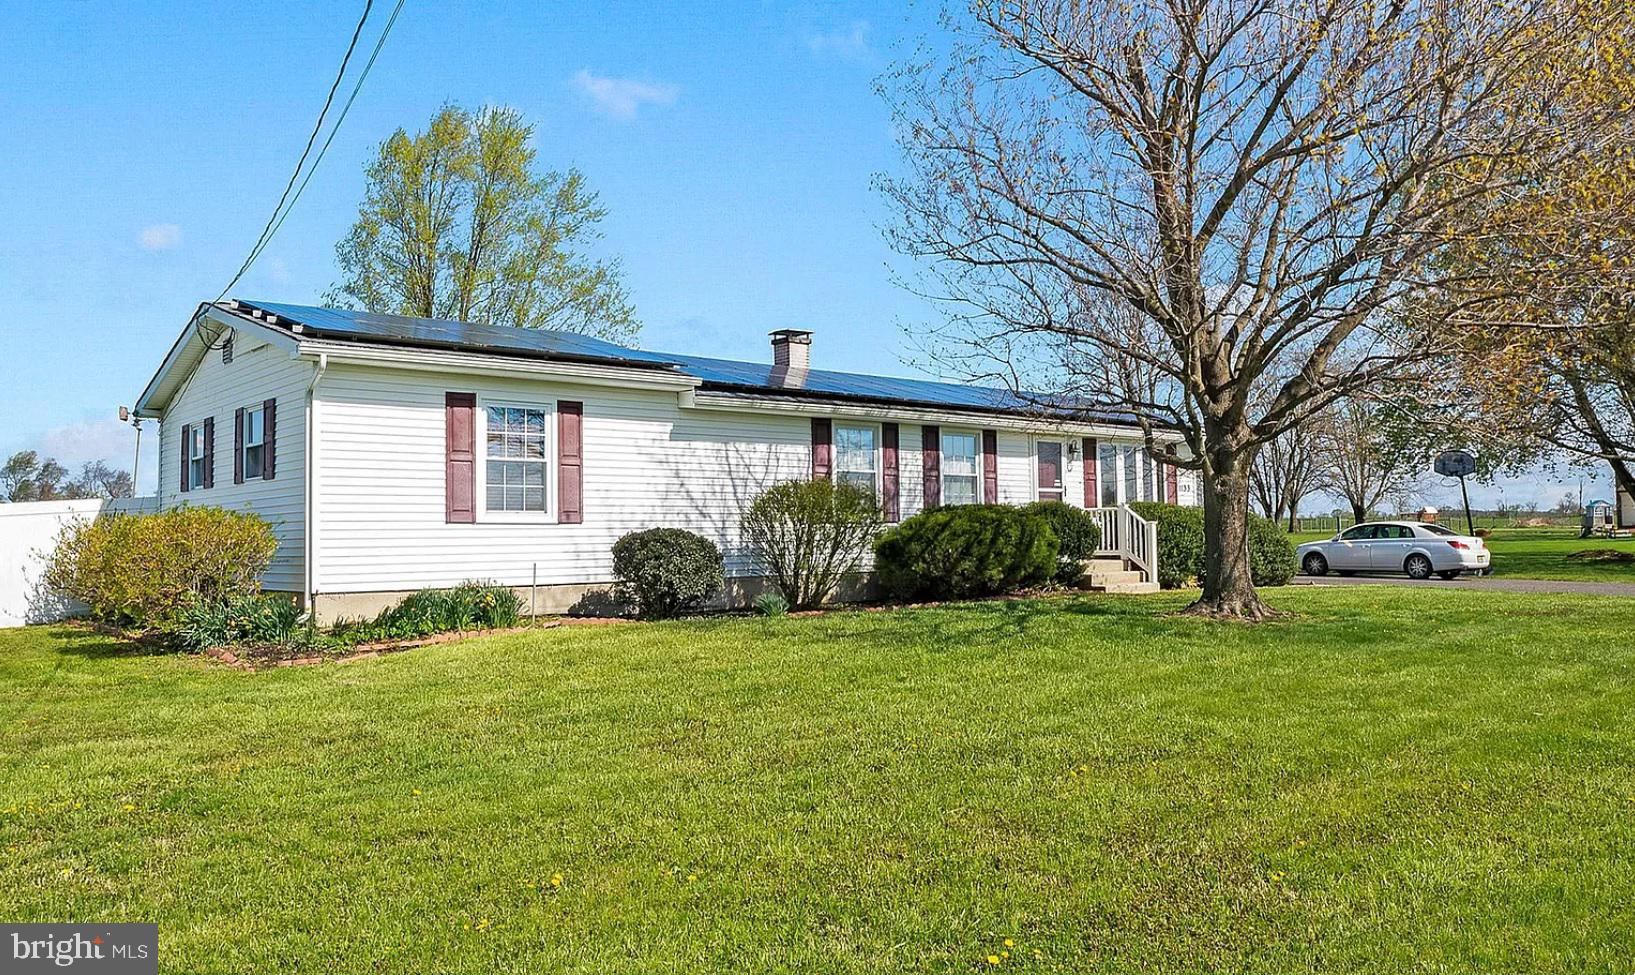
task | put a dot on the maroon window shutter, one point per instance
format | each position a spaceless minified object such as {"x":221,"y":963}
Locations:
{"x":460,"y":458}
{"x":890,"y":507}
{"x":238,"y":446}
{"x":1092,"y":496}
{"x":570,"y":461}
{"x":269,"y":438}
{"x":822,"y":449}
{"x":990,"y":466}
{"x":931,"y":464}
{"x":187,"y":452}
{"x":209,"y":451}
{"x":1172,"y":484}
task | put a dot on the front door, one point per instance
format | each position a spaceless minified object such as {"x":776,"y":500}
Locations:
{"x":1050,"y":469}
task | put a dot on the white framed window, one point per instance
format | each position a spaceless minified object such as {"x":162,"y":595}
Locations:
{"x":196,"y":458}
{"x":255,"y":441}
{"x":516,"y":464}
{"x":1129,"y":457}
{"x":961,"y":467}
{"x":857,"y":456}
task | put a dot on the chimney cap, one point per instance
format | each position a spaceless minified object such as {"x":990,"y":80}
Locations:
{"x":800,"y":335}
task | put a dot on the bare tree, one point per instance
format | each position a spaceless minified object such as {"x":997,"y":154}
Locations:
{"x":98,"y":480}
{"x":1368,"y":457}
{"x":1208,"y":213}
{"x":1284,"y":472}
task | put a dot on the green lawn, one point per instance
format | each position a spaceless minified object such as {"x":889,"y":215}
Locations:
{"x":1393,"y":781}
{"x":1543,"y":553}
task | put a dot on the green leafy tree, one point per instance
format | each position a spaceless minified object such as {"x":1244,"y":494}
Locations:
{"x":457,"y":223}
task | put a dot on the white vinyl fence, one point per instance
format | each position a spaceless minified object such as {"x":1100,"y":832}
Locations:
{"x":28,"y":532}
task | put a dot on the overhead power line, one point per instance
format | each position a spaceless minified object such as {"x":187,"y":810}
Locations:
{"x":286,"y":201}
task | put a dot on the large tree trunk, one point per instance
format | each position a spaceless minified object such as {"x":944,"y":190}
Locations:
{"x":1359,"y":512}
{"x":1228,"y":584}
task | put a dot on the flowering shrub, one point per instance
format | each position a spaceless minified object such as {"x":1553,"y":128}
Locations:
{"x":145,"y":570}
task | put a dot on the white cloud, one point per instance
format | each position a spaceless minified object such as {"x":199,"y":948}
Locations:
{"x":277,"y":270}
{"x":622,"y":97}
{"x":851,"y":42}
{"x":160,"y":237}
{"x":72,"y":444}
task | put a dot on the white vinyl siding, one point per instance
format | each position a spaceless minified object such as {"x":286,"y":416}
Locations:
{"x":217,"y":389}
{"x":647,"y":462}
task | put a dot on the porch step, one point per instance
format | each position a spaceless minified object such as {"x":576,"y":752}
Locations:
{"x":1126,"y":587}
{"x":1113,"y":575}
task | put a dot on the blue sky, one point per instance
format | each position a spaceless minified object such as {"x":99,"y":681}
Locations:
{"x":146,"y":144}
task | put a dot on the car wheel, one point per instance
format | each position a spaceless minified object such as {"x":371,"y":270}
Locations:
{"x":1417,"y":566}
{"x":1452,"y":574}
{"x":1315,"y":564}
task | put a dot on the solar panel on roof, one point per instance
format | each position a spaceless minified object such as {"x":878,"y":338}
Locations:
{"x":732,"y":374}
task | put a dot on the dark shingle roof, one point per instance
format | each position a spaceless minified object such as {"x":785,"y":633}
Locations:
{"x":720,"y":374}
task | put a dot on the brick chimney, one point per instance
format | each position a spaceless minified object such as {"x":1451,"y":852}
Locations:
{"x":792,"y":349}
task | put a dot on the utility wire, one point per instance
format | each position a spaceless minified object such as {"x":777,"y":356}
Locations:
{"x":272,"y":221}
{"x":379,"y":43}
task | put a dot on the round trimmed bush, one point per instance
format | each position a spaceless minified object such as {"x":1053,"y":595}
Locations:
{"x":1181,"y":546}
{"x":964,"y":551}
{"x":667,"y":571}
{"x":1077,"y":532}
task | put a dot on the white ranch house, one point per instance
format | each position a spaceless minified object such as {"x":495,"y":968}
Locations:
{"x":392,"y":454}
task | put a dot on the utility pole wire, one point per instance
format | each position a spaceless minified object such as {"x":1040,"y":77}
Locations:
{"x":272,"y":221}
{"x":368,"y":65}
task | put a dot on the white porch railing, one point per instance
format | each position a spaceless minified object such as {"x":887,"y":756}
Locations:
{"x":1127,"y":535}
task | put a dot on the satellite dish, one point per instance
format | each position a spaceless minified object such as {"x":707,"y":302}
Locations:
{"x":1455,"y":463}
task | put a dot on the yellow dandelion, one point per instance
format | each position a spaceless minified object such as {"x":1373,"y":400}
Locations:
{"x":993,"y":959}
{"x":556,"y":880}
{"x":1009,"y":943}
{"x":1277,"y":875}
{"x":1004,"y":954}
{"x":127,"y":807}
{"x":1037,"y":953}
{"x":692,"y":877}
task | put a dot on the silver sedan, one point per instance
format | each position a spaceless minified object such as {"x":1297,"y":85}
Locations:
{"x":1419,"y":550}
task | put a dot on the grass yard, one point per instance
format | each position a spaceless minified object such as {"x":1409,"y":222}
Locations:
{"x":1394,"y":781}
{"x":1543,"y":553}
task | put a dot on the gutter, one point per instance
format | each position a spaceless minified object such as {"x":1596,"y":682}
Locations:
{"x":308,"y":536}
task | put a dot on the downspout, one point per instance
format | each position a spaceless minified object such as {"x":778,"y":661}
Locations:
{"x":309,"y":572}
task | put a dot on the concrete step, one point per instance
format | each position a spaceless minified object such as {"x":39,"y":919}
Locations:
{"x":1105,"y":564}
{"x":1127,"y":587}
{"x":1097,"y":578}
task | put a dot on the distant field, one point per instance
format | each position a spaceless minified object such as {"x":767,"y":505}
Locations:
{"x":1543,"y":553}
